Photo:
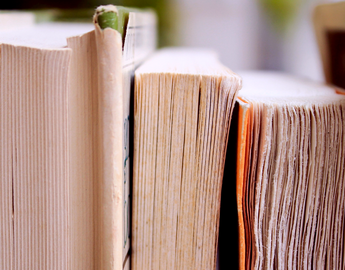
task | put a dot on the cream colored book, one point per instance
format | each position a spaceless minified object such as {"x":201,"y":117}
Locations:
{"x":183,"y":103}
{"x":65,"y":93}
{"x":290,"y":174}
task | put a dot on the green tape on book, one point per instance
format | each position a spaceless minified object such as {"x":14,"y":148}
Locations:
{"x":115,"y":17}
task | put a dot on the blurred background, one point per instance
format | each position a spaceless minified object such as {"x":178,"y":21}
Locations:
{"x":247,"y":34}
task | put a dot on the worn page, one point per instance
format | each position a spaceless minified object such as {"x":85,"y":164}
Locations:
{"x":183,"y":105}
{"x":296,"y":185}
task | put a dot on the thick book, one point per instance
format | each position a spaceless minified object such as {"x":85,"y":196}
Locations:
{"x":183,"y":102}
{"x":65,"y":98}
{"x":290,"y":174}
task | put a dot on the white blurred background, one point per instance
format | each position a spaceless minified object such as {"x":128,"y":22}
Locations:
{"x":246,"y":37}
{"x":247,"y":34}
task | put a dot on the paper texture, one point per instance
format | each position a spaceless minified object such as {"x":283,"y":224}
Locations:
{"x":290,"y":176}
{"x":183,"y":100}
{"x":83,"y":152}
{"x":34,"y":159}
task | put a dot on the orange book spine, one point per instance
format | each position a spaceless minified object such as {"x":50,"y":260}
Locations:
{"x":240,"y":176}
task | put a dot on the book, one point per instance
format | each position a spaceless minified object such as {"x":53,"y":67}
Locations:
{"x":330,"y":34}
{"x":65,"y":93}
{"x":289,"y":174}
{"x":183,"y":102}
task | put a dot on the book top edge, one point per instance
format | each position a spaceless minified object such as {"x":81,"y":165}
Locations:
{"x":186,"y":61}
{"x":48,"y":35}
{"x":264,"y":86}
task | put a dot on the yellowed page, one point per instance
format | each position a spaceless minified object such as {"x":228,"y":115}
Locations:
{"x":298,"y":185}
{"x":179,"y":165}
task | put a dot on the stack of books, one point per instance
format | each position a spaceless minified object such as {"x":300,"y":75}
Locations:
{"x":117,"y":156}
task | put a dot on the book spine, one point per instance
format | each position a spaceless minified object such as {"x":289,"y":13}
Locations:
{"x":110,"y":195}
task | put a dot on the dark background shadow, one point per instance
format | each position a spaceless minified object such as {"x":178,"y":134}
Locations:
{"x":228,"y":226}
